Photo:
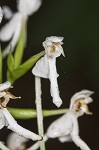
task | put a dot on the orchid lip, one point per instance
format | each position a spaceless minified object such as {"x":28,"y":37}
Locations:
{"x":86,"y":108}
{"x":82,"y":106}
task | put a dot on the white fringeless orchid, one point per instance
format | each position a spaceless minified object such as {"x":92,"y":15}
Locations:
{"x":16,"y":142}
{"x":69,"y":130}
{"x":1,"y":14}
{"x":6,"y":118}
{"x":46,"y":66}
{"x":66,"y":128}
{"x":12,"y":29}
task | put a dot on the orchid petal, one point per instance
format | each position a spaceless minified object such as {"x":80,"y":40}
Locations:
{"x":84,"y":94}
{"x":52,"y":39}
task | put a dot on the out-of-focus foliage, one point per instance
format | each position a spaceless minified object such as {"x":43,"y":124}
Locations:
{"x":16,"y":68}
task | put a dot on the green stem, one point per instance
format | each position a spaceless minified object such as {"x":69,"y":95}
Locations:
{"x":38,"y":102}
{"x":20,"y":113}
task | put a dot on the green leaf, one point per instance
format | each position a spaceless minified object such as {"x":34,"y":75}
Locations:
{"x":18,"y":55}
{"x":0,"y":65}
{"x":22,"y":113}
{"x":10,"y":64}
{"x":10,"y":61}
{"x":26,"y":66}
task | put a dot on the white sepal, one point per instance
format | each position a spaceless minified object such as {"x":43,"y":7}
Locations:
{"x":41,"y":68}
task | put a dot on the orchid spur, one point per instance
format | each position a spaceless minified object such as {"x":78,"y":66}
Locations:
{"x":66,"y":128}
{"x":46,"y":66}
{"x":11,"y":31}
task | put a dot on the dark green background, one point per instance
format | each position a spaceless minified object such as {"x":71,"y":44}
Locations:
{"x":78,"y":22}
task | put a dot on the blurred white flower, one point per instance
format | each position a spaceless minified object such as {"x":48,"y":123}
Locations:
{"x":46,"y":66}
{"x":28,"y":7}
{"x":16,"y":142}
{"x":6,"y":118}
{"x":1,"y":14}
{"x":11,"y":31}
{"x":66,"y":128}
{"x":7,"y":12}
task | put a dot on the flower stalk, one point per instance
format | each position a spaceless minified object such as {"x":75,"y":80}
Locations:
{"x":39,"y":110}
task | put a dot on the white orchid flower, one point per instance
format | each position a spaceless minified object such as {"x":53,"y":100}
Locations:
{"x":46,"y":66}
{"x":6,"y":118}
{"x":11,"y":31}
{"x":66,"y":128}
{"x":16,"y":142}
{"x":1,"y":14}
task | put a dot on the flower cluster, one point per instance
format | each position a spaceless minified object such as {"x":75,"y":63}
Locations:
{"x":66,"y":128}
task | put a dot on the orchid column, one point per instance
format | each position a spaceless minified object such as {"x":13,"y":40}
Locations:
{"x":46,"y":68}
